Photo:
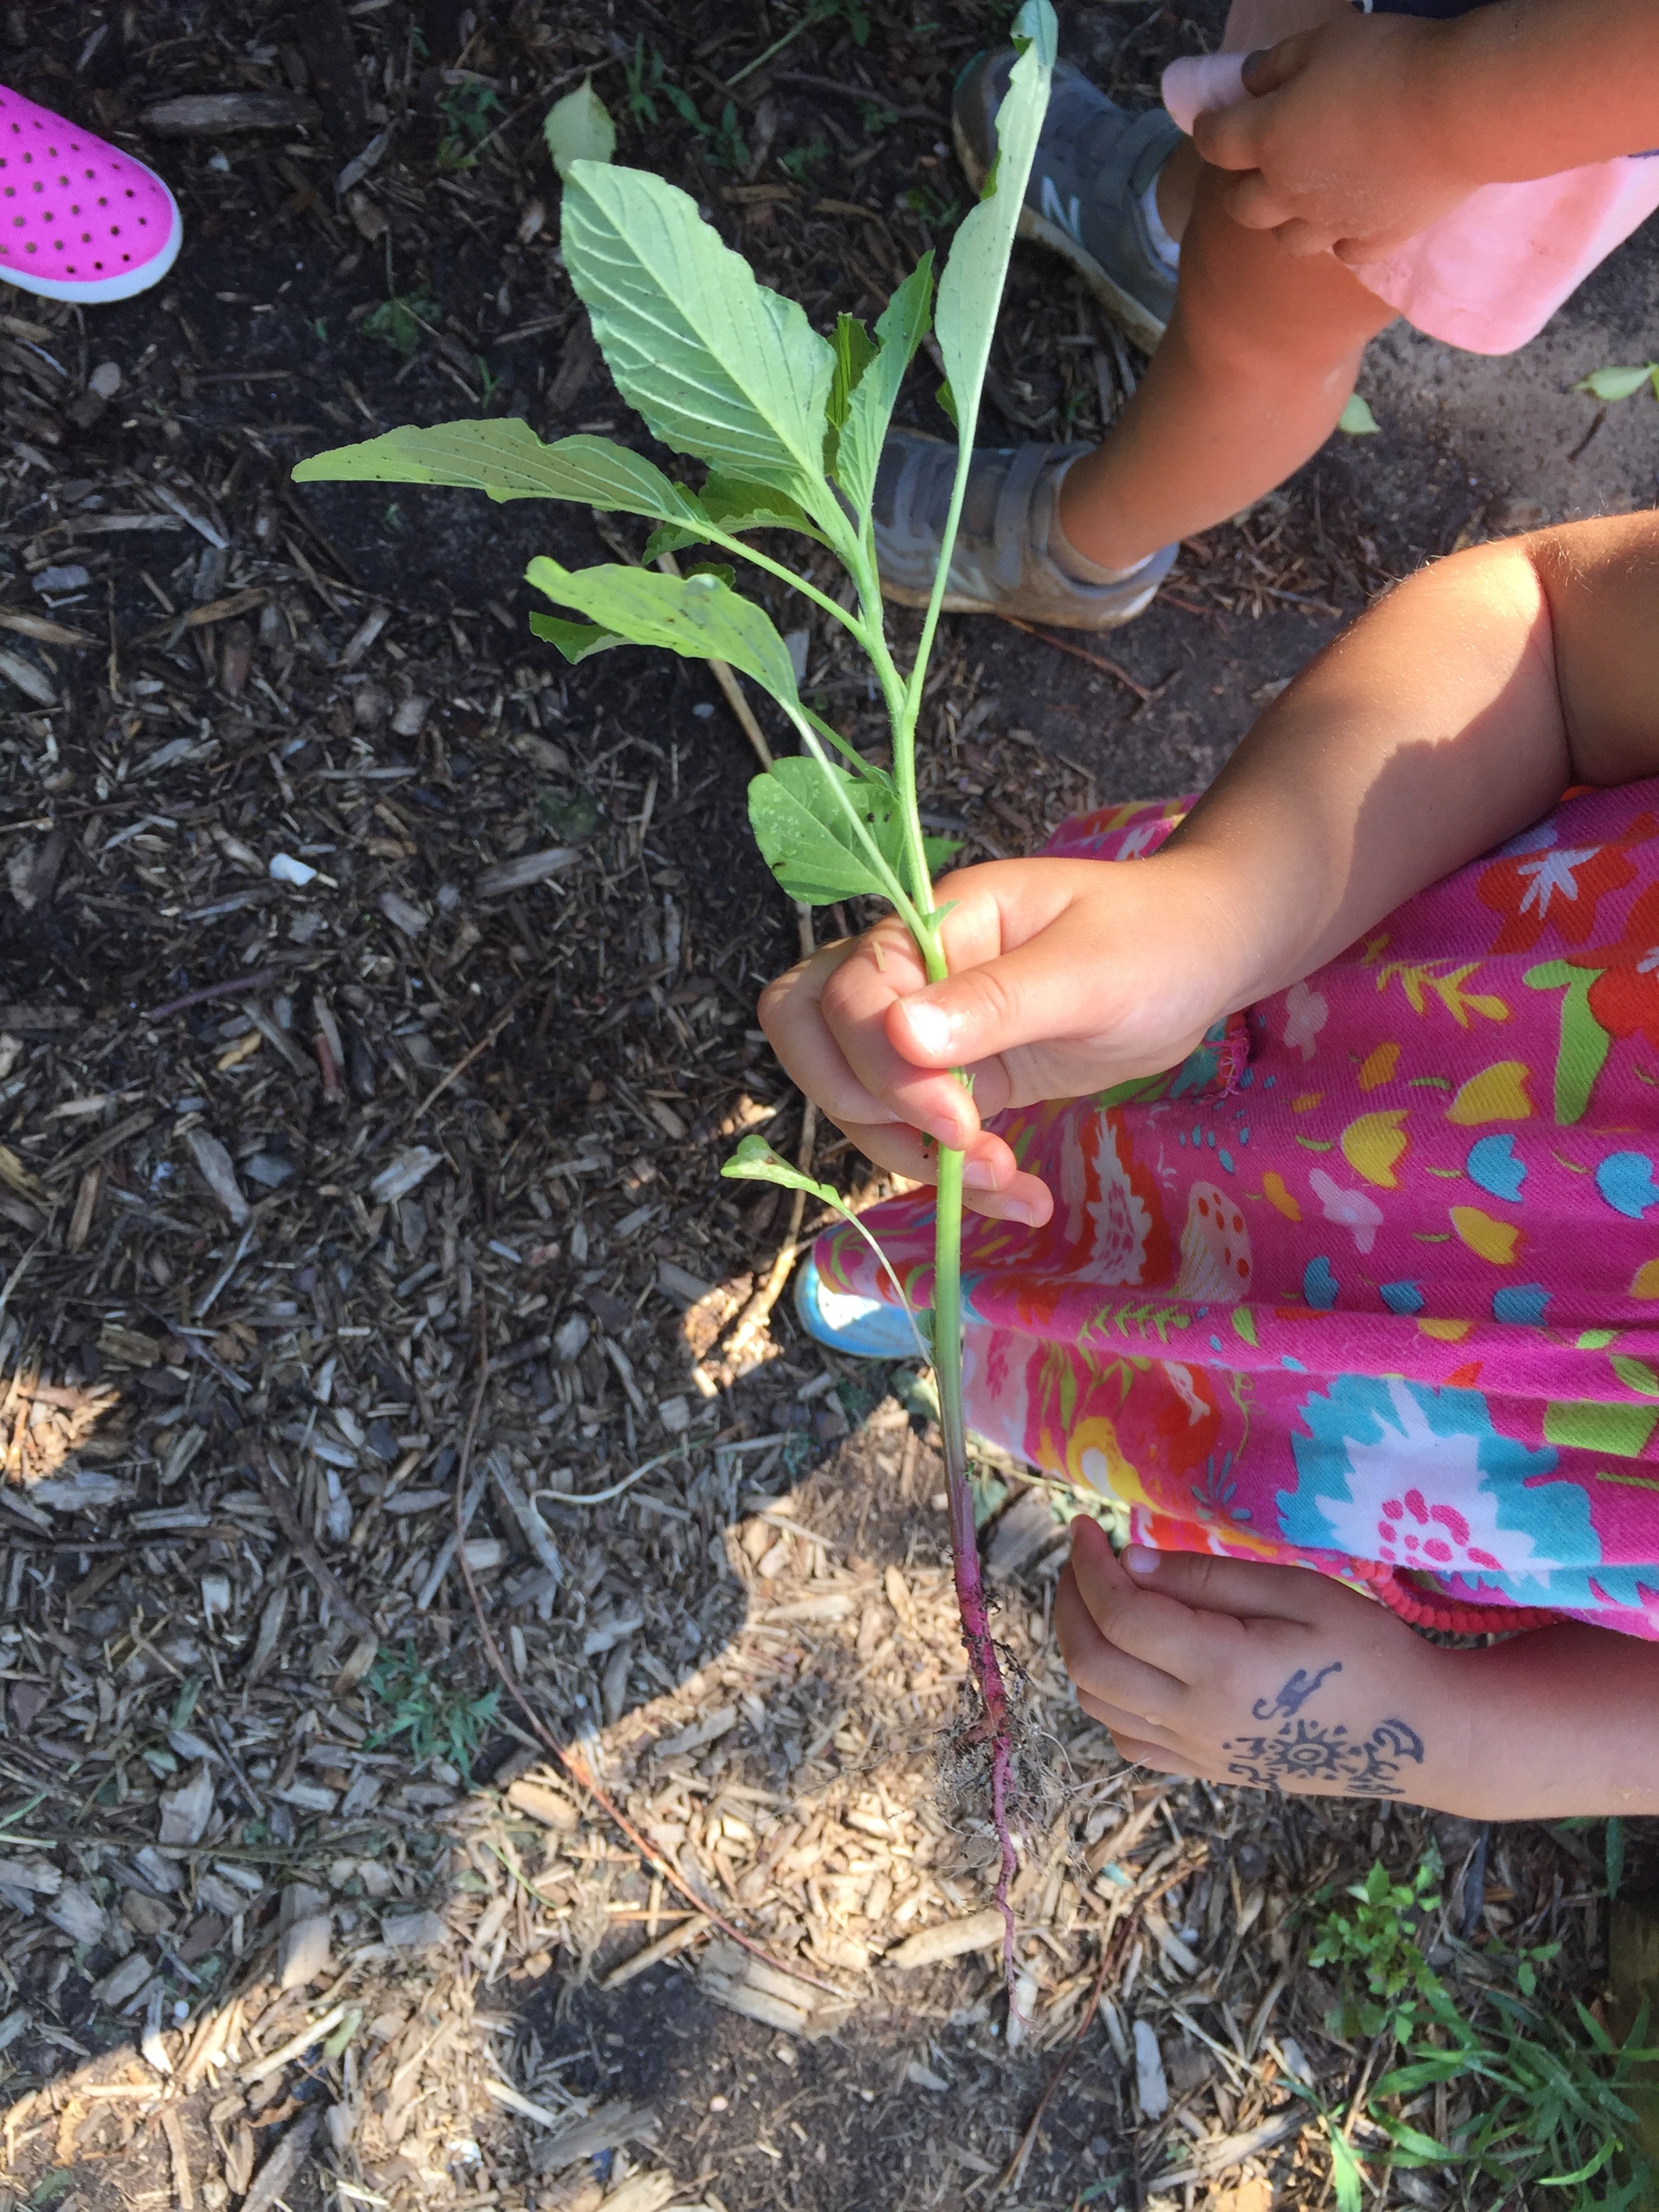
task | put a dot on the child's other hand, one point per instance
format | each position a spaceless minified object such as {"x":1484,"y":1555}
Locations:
{"x":1067,"y":976}
{"x":1337,"y":145}
{"x":1272,"y":1675}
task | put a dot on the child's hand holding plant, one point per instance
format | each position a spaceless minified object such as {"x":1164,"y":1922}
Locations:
{"x":1067,"y":977}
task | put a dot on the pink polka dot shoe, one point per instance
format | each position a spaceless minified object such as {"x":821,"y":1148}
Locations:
{"x":79,"y":219}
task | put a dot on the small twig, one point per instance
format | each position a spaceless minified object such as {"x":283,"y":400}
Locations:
{"x":1078,"y":653}
{"x":468,"y":1057}
{"x":602,"y":1496}
{"x":574,"y":1767}
{"x":275,"y":1495}
{"x":253,"y":982}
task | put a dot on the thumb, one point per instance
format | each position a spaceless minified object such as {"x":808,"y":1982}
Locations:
{"x":1030,"y":995}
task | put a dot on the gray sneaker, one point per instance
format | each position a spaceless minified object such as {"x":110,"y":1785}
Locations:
{"x":1002,"y":564}
{"x":1094,"y":162}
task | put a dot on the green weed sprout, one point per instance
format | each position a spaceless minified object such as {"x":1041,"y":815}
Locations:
{"x":790,"y":425}
{"x":1551,"y":2093}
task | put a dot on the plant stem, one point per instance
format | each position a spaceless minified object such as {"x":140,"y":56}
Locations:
{"x":995,"y":1725}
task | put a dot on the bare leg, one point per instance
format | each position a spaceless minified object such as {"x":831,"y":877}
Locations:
{"x":1258,"y":362}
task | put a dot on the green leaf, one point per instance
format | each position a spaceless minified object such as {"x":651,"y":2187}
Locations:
{"x":971,"y":290}
{"x":575,"y":641}
{"x":1615,"y":1854}
{"x":578,"y":129}
{"x":902,"y":326}
{"x":697,"y":616}
{"x":947,"y":401}
{"x":755,"y":1161}
{"x":854,"y":351}
{"x":717,"y":365}
{"x":805,"y":839}
{"x":1356,"y":418}
{"x":1345,"y":2171}
{"x":505,"y":459}
{"x":831,"y":854}
{"x":735,"y":506}
{"x":1619,"y":383}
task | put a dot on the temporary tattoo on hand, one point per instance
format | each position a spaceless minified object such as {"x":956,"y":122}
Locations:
{"x":1304,"y":1751}
{"x":1294,"y":1695}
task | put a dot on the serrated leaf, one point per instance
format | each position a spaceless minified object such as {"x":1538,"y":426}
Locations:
{"x":804,"y":788}
{"x":716,"y":364}
{"x":971,"y":290}
{"x":1619,"y":383}
{"x":575,"y":641}
{"x":813,"y":858}
{"x":505,"y":459}
{"x":578,"y":129}
{"x":1356,"y":418}
{"x":697,"y":616}
{"x":902,"y":326}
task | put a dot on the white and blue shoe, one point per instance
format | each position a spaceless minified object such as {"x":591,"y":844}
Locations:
{"x":860,"y":1328}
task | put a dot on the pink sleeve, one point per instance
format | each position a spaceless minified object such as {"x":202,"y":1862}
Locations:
{"x":1200,"y":81}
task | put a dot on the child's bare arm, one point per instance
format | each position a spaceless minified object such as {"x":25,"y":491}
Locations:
{"x":1452,"y":714}
{"x":1365,"y":130}
{"x":1279,"y":1677}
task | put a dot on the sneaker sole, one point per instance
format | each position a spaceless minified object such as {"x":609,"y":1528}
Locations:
{"x":102,"y":291}
{"x":1135,"y":321}
{"x":959,"y":603}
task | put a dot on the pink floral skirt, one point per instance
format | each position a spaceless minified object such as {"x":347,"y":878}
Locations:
{"x":1370,"y":1283}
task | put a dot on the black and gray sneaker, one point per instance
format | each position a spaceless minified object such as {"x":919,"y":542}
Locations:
{"x":1095,"y":162}
{"x":1005,"y":562}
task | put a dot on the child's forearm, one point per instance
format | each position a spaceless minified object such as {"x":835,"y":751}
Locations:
{"x":1566,"y":1722}
{"x":1525,"y":89}
{"x":1452,"y":714}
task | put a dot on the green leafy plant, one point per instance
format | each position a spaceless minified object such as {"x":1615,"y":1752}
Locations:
{"x":789,"y":424}
{"x":643,"y":72}
{"x":1543,"y":2088}
{"x":398,"y":322}
{"x":1377,"y":1940}
{"x":467,"y":108}
{"x":427,"y":1716}
{"x":800,"y":160}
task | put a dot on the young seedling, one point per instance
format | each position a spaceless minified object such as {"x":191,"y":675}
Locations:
{"x":791,"y":426}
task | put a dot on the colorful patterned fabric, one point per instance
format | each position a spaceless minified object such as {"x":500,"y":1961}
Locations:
{"x":1384,"y":1300}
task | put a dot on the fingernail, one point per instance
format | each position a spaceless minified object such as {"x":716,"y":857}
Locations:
{"x":978,"y":1175}
{"x":1141,"y":1559}
{"x":1017,"y":1210}
{"x":930,"y":1028}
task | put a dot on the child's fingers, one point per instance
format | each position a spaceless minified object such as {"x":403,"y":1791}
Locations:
{"x":1147,"y":1625}
{"x":792,"y":1014}
{"x":1244,"y":1590}
{"x":1101,"y":1670}
{"x":857,"y":1000}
